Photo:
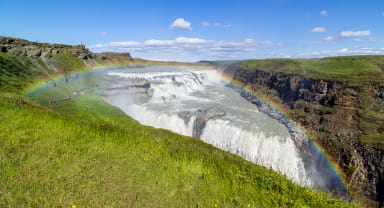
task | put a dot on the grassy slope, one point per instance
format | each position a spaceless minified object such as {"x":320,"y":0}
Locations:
{"x":13,"y":73}
{"x":17,"y":72}
{"x":88,"y":153}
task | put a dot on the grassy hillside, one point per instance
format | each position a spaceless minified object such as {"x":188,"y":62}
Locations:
{"x":16,"y":72}
{"x":86,"y":153}
{"x":352,"y":69}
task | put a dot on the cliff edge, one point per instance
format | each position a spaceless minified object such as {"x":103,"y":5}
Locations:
{"x":340,"y":102}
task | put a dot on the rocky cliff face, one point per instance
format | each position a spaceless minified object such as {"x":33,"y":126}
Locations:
{"x":26,"y":48}
{"x":347,"y":120}
{"x":20,"y":47}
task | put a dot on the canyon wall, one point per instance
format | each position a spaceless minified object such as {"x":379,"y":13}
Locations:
{"x":346,"y":119}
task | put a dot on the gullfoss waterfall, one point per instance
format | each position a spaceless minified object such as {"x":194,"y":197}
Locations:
{"x":197,"y":102}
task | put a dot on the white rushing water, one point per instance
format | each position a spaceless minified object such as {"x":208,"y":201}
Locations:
{"x":175,"y":91}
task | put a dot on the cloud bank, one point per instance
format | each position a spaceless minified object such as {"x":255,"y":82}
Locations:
{"x":347,"y":34}
{"x":215,"y":24}
{"x":341,"y":52}
{"x":188,"y":48}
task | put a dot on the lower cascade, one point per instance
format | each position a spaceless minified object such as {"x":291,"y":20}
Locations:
{"x":196,"y":102}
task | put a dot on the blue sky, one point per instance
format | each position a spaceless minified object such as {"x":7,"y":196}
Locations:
{"x":193,"y":30}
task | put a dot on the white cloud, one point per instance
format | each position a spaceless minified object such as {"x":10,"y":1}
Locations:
{"x":205,"y":24}
{"x":215,"y":24}
{"x":342,"y":52}
{"x":318,"y":30}
{"x":195,"y":49}
{"x":184,"y":40}
{"x":329,"y":39}
{"x":324,"y":13}
{"x":119,"y":44}
{"x":370,"y":40}
{"x":103,"y":34}
{"x":178,"y":40}
{"x":249,"y":40}
{"x":181,"y":23}
{"x":344,"y":34}
{"x":154,"y":42}
{"x":127,"y":43}
{"x":188,"y":48}
{"x":347,"y":34}
{"x":325,"y":41}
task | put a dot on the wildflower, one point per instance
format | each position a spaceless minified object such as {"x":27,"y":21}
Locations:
{"x":73,"y":205}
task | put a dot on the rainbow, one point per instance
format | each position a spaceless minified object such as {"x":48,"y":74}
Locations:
{"x":37,"y":86}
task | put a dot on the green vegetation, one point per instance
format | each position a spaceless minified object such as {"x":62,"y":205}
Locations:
{"x":371,"y":118}
{"x":351,"y":69}
{"x":372,"y":124}
{"x":67,"y":62}
{"x":96,"y":156}
{"x":377,"y":138}
{"x":87,"y":153}
{"x":16,"y":72}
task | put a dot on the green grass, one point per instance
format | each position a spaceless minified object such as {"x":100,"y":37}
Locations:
{"x":87,"y":153}
{"x":67,"y":62}
{"x":377,"y":138}
{"x":372,"y":125}
{"x":59,"y":159}
{"x":352,"y":69}
{"x":17,"y":72}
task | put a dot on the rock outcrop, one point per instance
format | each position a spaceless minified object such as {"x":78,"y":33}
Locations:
{"x":115,"y":56}
{"x":344,"y":118}
{"x":20,"y":47}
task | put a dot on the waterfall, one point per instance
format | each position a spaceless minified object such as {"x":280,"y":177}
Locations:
{"x":278,"y":153}
{"x":196,"y":102}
